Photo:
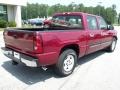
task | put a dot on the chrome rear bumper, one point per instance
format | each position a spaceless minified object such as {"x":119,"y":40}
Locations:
{"x":20,"y":58}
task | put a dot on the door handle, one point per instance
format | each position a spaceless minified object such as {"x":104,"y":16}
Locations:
{"x":91,"y":35}
{"x":15,"y":36}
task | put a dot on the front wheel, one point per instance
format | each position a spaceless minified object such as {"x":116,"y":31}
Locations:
{"x":66,"y":62}
{"x":112,"y":47}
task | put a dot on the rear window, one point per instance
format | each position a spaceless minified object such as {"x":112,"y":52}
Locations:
{"x":68,"y":21}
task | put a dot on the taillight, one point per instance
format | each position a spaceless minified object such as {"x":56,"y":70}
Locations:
{"x":38,"y":47}
{"x":4,"y":33}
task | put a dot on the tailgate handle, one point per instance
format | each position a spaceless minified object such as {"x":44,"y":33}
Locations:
{"x":91,"y":35}
{"x":15,"y":36}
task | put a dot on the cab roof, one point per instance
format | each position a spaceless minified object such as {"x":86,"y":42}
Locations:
{"x":74,"y":13}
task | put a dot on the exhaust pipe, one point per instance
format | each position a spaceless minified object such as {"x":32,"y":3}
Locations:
{"x":44,"y":68}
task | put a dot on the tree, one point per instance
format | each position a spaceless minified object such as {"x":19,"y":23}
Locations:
{"x":119,"y":18}
{"x":114,"y":11}
{"x":113,"y":6}
{"x":44,"y":10}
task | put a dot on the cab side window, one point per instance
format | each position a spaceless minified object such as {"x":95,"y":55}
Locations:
{"x":102,"y":23}
{"x":92,"y":23}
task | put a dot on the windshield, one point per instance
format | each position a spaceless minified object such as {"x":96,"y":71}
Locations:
{"x":68,"y":21}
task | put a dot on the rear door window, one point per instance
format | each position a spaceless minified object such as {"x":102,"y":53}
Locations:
{"x":92,"y":22}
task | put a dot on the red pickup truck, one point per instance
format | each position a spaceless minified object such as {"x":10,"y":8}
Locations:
{"x":69,"y":36}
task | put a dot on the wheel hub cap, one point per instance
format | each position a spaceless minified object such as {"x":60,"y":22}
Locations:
{"x":113,"y":45}
{"x":68,"y":63}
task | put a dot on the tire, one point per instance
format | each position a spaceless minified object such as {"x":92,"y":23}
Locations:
{"x":14,"y":62}
{"x":112,"y":47}
{"x":66,"y":63}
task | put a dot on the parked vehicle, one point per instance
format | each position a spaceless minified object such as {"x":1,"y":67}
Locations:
{"x":68,"y":37}
{"x":47,"y":22}
{"x":24,"y":22}
{"x":36,"y":21}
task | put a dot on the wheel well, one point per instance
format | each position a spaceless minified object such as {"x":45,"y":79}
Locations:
{"x":75,"y":47}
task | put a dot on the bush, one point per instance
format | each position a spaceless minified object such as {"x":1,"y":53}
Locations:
{"x":3,"y":23}
{"x":11,"y":24}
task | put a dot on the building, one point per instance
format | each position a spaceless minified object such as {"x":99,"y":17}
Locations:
{"x":10,"y":10}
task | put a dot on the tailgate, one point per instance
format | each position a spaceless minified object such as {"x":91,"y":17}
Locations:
{"x":19,"y":39}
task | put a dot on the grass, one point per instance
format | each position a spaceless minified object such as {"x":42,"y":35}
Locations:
{"x":30,"y":26}
{"x":1,"y":29}
{"x":27,"y":26}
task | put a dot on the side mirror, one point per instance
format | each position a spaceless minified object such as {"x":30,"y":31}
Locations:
{"x":110,"y":27}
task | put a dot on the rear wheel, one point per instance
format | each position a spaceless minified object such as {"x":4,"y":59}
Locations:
{"x":112,"y":47}
{"x":66,"y":62}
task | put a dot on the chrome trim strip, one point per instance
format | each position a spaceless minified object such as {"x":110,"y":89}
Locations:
{"x":100,"y":44}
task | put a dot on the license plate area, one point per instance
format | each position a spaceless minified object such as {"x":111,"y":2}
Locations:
{"x":16,"y":55}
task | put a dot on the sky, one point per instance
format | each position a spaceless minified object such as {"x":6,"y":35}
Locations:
{"x":105,"y":3}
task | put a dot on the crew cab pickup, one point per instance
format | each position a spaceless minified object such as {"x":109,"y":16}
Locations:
{"x":69,"y":36}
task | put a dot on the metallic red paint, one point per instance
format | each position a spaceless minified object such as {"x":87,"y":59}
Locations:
{"x":51,"y":42}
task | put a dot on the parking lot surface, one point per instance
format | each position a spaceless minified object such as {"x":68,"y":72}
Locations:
{"x":97,"y":71}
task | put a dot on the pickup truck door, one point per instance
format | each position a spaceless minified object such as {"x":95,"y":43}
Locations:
{"x":105,"y":33}
{"x":94,"y":34}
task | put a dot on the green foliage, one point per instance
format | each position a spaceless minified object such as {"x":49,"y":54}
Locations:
{"x":43,"y":10}
{"x":3,"y":23}
{"x":119,"y":18}
{"x":12,"y":24}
